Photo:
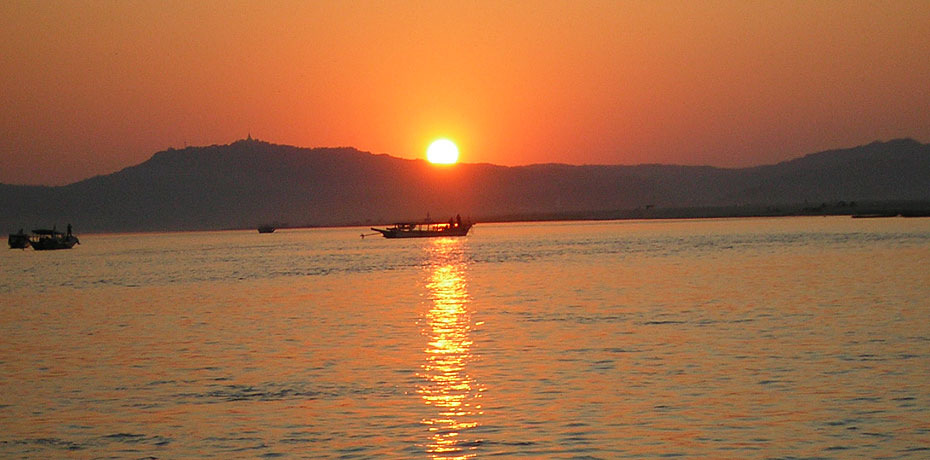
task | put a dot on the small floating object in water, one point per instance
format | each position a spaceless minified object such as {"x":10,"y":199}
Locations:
{"x":18,"y":240}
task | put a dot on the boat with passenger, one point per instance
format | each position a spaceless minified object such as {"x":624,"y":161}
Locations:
{"x":44,"y":239}
{"x":426,"y":229}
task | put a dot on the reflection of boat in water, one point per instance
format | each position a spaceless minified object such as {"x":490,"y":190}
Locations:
{"x":18,"y":240}
{"x":454,"y":227}
{"x":42,"y":239}
{"x":266,"y":229}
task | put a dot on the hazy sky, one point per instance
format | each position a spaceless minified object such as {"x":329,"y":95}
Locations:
{"x":92,"y":87}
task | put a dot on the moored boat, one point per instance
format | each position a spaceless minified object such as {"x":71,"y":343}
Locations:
{"x":426,"y":229}
{"x":266,"y":229}
{"x":18,"y":240}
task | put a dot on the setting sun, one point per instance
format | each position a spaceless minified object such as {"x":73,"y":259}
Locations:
{"x":442,"y":151}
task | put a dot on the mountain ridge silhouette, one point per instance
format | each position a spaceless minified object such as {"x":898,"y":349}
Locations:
{"x":251,"y":182}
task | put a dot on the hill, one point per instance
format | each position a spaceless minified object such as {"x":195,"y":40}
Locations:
{"x":250,"y":182}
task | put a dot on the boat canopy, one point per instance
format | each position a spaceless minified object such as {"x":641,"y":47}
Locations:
{"x":45,"y":231}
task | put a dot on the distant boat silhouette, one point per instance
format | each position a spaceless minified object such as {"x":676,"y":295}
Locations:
{"x":266,"y":229}
{"x":43,"y":239}
{"x":19,"y":240}
{"x":426,"y":229}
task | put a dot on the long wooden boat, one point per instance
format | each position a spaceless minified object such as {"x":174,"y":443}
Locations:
{"x":426,"y":229}
{"x":44,"y":240}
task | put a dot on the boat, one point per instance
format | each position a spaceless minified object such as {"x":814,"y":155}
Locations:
{"x":43,"y":240}
{"x":426,"y":229}
{"x":266,"y":229}
{"x":19,"y":240}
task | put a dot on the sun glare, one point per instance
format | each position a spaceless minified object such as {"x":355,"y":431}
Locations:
{"x":442,"y":151}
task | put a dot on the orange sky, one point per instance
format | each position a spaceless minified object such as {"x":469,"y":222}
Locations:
{"x":91,"y":87}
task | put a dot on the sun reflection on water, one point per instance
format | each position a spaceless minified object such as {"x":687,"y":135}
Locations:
{"x":447,"y":385}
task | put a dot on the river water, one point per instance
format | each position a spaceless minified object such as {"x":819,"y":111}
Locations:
{"x":735,"y":338}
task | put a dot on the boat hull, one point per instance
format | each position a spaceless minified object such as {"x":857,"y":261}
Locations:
{"x":49,"y":244}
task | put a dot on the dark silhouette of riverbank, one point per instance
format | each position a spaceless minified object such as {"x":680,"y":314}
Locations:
{"x":250,"y":182}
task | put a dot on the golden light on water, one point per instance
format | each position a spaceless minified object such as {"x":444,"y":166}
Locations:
{"x":447,"y":386}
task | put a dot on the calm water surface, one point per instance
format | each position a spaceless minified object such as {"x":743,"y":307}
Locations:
{"x":750,"y":338}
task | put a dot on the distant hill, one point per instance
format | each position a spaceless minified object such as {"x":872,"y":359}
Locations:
{"x":249,"y":182}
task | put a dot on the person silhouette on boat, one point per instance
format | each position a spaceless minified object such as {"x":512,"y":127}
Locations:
{"x":69,"y":229}
{"x":458,"y":220}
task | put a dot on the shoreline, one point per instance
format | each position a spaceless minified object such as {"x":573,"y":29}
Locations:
{"x":862,"y":209}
